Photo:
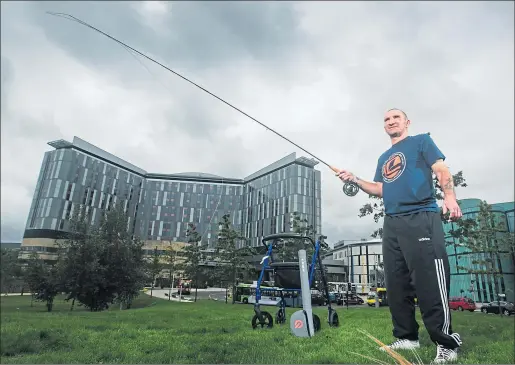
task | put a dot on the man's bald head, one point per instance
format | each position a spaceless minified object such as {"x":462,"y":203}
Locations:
{"x":396,"y":124}
{"x":399,"y":110}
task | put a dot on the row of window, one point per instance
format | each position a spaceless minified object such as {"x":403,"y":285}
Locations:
{"x":282,"y":189}
{"x":193,"y":200}
{"x":62,"y":163}
{"x":480,"y":287}
{"x":358,"y":250}
{"x":195,"y":187}
{"x":282,"y":174}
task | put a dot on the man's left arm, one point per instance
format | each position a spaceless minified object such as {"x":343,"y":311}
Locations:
{"x":444,"y":177}
{"x":435,"y":158}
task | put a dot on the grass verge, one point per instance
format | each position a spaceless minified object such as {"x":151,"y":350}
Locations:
{"x":157,"y":331}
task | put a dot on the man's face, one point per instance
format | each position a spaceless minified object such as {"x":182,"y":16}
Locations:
{"x":395,"y":123}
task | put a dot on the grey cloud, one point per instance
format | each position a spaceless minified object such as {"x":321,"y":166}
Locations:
{"x":202,"y":34}
{"x":7,"y":78}
{"x":11,"y":233}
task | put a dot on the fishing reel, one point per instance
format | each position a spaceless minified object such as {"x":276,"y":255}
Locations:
{"x":350,"y":188}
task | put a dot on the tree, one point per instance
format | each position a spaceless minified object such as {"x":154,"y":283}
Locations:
{"x":193,"y":256}
{"x":43,"y":279}
{"x":377,"y":275}
{"x":232,"y":263}
{"x":488,"y":240}
{"x":154,"y":268}
{"x":171,"y":258}
{"x":376,"y":207}
{"x":123,"y":260}
{"x":103,"y":264}
{"x":79,"y":261}
{"x":11,"y":271}
{"x":290,"y":248}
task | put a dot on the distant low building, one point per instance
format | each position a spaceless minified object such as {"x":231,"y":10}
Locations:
{"x":360,"y":259}
{"x":10,"y":245}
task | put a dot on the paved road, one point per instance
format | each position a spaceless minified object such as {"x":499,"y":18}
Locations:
{"x":209,"y":293}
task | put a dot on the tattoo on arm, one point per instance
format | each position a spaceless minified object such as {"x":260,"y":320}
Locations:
{"x":449,"y":184}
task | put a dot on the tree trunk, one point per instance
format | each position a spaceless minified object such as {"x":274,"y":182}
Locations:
{"x":196,"y":284}
{"x":494,"y":270}
{"x":49,"y":304}
{"x":233,"y":285}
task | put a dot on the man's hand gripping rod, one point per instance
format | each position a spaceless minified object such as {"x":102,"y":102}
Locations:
{"x":350,"y":188}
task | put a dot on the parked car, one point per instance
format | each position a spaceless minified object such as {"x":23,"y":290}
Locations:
{"x":353,"y":299}
{"x":462,"y":303}
{"x":318,"y":299}
{"x":506,"y":308}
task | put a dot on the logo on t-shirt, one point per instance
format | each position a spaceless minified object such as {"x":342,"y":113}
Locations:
{"x":394,"y":167}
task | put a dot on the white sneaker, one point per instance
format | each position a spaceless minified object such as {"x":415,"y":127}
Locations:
{"x":402,"y":344}
{"x":444,"y":355}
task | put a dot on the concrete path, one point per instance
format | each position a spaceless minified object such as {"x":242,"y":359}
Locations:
{"x":202,"y":294}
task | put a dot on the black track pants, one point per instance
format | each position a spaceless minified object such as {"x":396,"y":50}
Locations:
{"x":415,"y":262}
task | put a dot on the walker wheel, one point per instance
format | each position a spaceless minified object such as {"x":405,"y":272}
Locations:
{"x":334,"y":321}
{"x":280,"y":318}
{"x":267,"y":322}
{"x":350,"y":188}
{"x":316,"y":322}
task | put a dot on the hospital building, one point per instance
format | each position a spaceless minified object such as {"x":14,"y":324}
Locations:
{"x":161,"y":205}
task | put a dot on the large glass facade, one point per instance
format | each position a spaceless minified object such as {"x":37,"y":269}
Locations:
{"x":271,"y":199}
{"x":466,"y":276}
{"x":171,"y":205}
{"x":160,"y":207}
{"x":68,"y":178}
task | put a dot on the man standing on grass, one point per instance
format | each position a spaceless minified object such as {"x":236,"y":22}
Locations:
{"x":415,"y":260}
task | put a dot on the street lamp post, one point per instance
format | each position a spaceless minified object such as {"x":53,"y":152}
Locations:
{"x":171,"y":277}
{"x":376,"y":285}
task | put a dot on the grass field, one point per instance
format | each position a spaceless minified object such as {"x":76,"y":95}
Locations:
{"x":157,"y":331}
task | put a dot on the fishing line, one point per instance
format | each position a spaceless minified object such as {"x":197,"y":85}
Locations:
{"x":202,"y":235}
{"x":349,"y":188}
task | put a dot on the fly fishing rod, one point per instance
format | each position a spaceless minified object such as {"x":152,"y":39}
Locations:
{"x":350,"y":188}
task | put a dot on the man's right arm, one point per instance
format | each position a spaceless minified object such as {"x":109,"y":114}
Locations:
{"x":373,"y":187}
{"x":370,"y":187}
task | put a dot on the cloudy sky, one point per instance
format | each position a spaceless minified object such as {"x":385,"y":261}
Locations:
{"x":321,"y":73}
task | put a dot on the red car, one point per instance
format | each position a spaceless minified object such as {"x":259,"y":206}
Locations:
{"x":462,"y":303}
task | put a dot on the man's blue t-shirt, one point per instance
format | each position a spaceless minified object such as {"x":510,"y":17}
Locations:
{"x":405,"y":171}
